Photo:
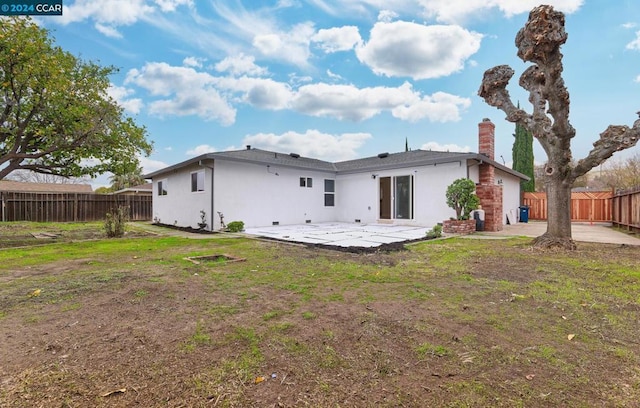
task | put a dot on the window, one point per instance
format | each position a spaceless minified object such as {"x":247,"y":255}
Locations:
{"x":197,"y":181}
{"x":329,"y":193}
{"x":306,"y":182}
{"x":162,"y":187}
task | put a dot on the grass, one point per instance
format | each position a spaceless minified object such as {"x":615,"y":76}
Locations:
{"x":457,"y":322}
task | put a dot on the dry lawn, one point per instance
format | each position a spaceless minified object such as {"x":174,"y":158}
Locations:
{"x":447,"y":323}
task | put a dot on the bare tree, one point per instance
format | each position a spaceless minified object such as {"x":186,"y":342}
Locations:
{"x":621,"y":174}
{"x":26,"y":176}
{"x":539,"y":42}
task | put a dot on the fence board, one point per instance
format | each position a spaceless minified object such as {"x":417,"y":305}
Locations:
{"x":593,"y":206}
{"x":67,"y":207}
{"x":626,"y":209}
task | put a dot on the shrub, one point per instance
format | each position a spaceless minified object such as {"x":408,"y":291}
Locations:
{"x":435,"y":232}
{"x":461,"y":196}
{"x":235,"y":226}
{"x":115,"y":222}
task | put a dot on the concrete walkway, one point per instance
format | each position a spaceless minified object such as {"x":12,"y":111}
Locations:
{"x":581,"y":232}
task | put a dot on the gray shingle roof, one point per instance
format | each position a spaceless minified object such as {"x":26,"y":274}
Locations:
{"x":19,"y":186}
{"x":380,"y":162}
{"x":395,"y":160}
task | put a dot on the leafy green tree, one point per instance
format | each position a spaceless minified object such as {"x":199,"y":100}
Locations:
{"x":55,"y":114}
{"x":522,"y":154}
{"x":461,"y":196}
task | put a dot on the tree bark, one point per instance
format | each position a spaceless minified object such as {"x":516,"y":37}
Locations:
{"x":559,"y":210}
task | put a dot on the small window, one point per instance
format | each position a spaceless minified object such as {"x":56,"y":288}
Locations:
{"x":197,"y":181}
{"x":306,"y":182}
{"x":329,"y":193}
{"x":162,"y":187}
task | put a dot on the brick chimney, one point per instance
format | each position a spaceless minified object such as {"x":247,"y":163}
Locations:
{"x":486,"y":146}
{"x":486,"y":138}
{"x":488,"y":192}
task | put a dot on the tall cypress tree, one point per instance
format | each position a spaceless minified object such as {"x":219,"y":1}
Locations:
{"x":522,"y":155}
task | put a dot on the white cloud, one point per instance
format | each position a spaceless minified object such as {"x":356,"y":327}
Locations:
{"x":106,"y":15}
{"x":201,"y":149}
{"x":263,"y":93}
{"x":637,"y":79}
{"x":148,"y":165}
{"x":312,"y":143}
{"x":439,"y":107}
{"x":418,"y":51}
{"x":291,"y":46}
{"x":109,"y":31}
{"x":337,"y":38}
{"x":121,"y":95}
{"x":347,"y":102}
{"x":629,"y":25}
{"x":190,"y":92}
{"x":193,"y":62}
{"x":333,"y":75}
{"x":172,"y":5}
{"x":457,"y":11}
{"x":184,"y":91}
{"x":387,"y":16}
{"x":437,"y":147}
{"x":240,"y":65}
{"x":635,"y":44}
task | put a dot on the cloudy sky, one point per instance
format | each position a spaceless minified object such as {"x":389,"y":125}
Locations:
{"x":342,"y":79}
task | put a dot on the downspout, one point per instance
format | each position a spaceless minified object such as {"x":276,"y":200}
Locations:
{"x":212,"y":184}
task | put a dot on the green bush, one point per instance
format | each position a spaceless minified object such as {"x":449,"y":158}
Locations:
{"x":435,"y":232}
{"x":461,"y":196}
{"x":235,"y":226}
{"x":115,"y":222}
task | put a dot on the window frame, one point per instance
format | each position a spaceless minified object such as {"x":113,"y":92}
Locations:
{"x":306,"y":182}
{"x":329,"y":192}
{"x":199,"y":176}
{"x":163,"y":188}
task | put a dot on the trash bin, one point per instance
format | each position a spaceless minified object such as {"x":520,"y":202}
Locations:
{"x":524,"y":213}
{"x":478,"y":215}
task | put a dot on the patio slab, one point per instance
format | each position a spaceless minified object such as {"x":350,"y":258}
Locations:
{"x":342,"y":234}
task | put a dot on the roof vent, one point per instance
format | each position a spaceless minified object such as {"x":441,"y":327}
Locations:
{"x":383,"y":155}
{"x":248,"y":147}
{"x":294,"y":155}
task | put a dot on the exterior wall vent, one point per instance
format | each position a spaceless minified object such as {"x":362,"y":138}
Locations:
{"x":275,"y":223}
{"x":308,"y":221}
{"x":357,"y":220}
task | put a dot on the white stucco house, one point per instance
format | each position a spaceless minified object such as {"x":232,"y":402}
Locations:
{"x":264,"y":188}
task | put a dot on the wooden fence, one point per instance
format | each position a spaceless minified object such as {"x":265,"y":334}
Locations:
{"x":67,"y":207}
{"x":626,"y":209}
{"x":590,"y":206}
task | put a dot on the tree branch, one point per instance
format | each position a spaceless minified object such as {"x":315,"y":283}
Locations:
{"x":613,"y":139}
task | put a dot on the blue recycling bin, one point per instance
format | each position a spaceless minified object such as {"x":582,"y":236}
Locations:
{"x":524,"y":213}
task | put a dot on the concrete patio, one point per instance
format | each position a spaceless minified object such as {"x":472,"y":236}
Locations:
{"x":341,"y":234}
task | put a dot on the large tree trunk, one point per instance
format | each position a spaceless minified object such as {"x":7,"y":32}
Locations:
{"x":558,"y":215}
